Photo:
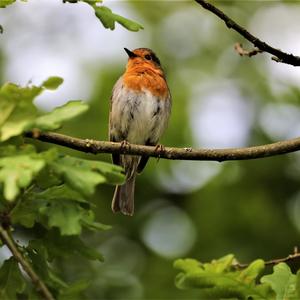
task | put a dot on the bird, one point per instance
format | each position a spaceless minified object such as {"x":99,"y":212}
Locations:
{"x":140,"y":109}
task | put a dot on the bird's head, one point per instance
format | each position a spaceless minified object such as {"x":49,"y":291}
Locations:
{"x":142,"y":57}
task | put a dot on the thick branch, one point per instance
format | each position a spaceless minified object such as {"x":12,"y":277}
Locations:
{"x":92,"y":146}
{"x":11,"y":245}
{"x":280,"y":56}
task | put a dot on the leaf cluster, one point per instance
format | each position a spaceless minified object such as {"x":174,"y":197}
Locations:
{"x":222,"y":279}
{"x":45,"y":189}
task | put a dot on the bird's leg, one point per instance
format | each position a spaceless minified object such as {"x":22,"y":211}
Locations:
{"x":159,"y":149}
{"x":125,"y":146}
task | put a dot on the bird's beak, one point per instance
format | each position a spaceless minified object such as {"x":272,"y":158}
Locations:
{"x":130,"y":53}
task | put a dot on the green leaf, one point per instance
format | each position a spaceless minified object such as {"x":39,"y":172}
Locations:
{"x":17,"y":172}
{"x":4,"y":3}
{"x":282,"y":281}
{"x":219,"y":265}
{"x":219,"y":279}
{"x":6,"y":108}
{"x":89,"y":222}
{"x":56,"y":282}
{"x":11,"y":150}
{"x":38,"y":256}
{"x":106,"y":16}
{"x":11,"y":280}
{"x":25,"y":213}
{"x":19,"y":111}
{"x":60,"y":114}
{"x":108,"y":19}
{"x":47,"y":179}
{"x":66,"y":246}
{"x":91,"y":2}
{"x":58,"y":206}
{"x":250,"y":274}
{"x":128,"y":24}
{"x":114,"y":174}
{"x":19,"y":114}
{"x":65,"y":215}
{"x":62,"y":208}
{"x":85,"y":175}
{"x":52,"y":83}
{"x":69,"y":217}
{"x":74,"y":290}
{"x":61,"y":192}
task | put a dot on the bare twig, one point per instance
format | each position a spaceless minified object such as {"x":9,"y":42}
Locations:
{"x":36,"y":280}
{"x":291,"y":257}
{"x":243,"y":52}
{"x":93,"y":146}
{"x":280,"y":56}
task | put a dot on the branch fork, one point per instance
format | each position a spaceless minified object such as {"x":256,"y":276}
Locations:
{"x":278,"y":55}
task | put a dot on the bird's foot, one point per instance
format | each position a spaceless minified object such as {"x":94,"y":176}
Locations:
{"x":125,"y":146}
{"x":159,"y":149}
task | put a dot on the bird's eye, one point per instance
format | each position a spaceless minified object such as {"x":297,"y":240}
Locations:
{"x":148,"y":57}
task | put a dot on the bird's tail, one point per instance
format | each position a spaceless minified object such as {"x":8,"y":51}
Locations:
{"x":123,"y":199}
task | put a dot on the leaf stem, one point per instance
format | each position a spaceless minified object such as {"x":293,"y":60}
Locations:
{"x":8,"y":240}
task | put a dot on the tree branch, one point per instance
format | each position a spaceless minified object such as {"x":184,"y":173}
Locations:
{"x":280,"y":56}
{"x":93,"y":146}
{"x":291,"y":257}
{"x":11,"y":245}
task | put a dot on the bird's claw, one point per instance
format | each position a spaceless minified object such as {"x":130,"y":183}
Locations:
{"x":159,"y":149}
{"x":125,"y":146}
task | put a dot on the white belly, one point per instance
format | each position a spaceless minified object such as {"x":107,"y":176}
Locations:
{"x":138,"y":118}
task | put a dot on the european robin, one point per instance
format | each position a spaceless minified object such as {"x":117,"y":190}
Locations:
{"x":139,"y":113}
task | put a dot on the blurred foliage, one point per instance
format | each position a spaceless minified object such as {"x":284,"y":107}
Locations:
{"x":220,"y":279}
{"x":250,"y":208}
{"x":4,"y":3}
{"x":45,"y":188}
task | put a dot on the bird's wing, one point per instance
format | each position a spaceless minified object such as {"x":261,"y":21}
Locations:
{"x":112,"y":137}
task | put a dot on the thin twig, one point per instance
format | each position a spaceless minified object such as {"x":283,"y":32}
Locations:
{"x":36,"y":280}
{"x":93,"y":146}
{"x":280,"y":56}
{"x":291,"y":257}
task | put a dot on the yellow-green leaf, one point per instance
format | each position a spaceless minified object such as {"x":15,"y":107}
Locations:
{"x":55,"y":118}
{"x":52,"y":83}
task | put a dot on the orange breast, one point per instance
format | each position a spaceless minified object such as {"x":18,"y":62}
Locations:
{"x":144,"y":78}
